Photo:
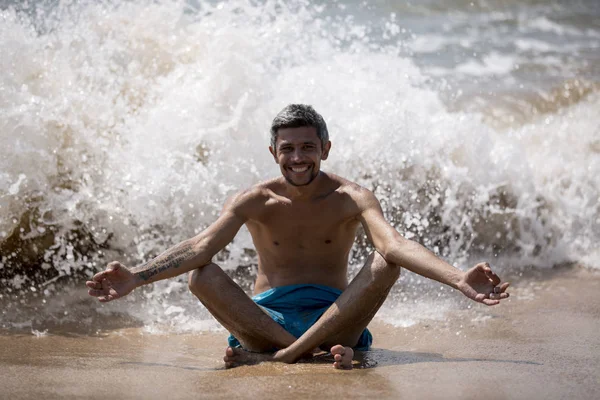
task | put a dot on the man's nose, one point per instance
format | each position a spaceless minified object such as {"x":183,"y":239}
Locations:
{"x":297,"y":155}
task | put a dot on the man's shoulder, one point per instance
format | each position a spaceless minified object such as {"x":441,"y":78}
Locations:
{"x":253,"y":193}
{"x":252,"y":197}
{"x":359,"y":197}
{"x":351,"y":189}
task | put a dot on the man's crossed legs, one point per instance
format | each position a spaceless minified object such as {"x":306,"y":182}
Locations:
{"x":338,"y":329}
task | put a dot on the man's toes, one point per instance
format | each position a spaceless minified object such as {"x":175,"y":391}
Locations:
{"x":348,"y":354}
{"x":342,"y":356}
{"x":341,"y":365}
{"x":347,"y":358}
{"x":338,"y":349}
{"x":230,"y":364}
{"x":230,"y":358}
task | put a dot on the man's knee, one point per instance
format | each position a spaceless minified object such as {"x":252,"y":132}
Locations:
{"x":201,"y":277}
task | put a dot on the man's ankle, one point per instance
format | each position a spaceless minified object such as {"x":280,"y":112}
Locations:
{"x":285,"y":356}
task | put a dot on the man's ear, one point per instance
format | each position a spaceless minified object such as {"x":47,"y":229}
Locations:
{"x":274,"y":154}
{"x":326,"y":150}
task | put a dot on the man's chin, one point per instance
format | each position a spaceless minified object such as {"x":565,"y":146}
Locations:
{"x":300,"y":183}
{"x":297,"y":184}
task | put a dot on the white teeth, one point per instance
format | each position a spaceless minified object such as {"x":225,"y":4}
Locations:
{"x":299,"y":169}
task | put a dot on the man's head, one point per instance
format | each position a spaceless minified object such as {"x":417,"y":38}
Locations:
{"x":298,"y":115}
{"x":299,"y":141}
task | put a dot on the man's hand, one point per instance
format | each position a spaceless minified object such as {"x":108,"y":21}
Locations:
{"x":481,"y":284}
{"x":114,"y":282}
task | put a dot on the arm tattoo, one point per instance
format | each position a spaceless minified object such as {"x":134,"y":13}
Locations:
{"x":171,"y":258}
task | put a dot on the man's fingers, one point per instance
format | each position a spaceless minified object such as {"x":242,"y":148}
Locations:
{"x":495,"y":279}
{"x":504,"y":286}
{"x":100,"y":276}
{"x":482,"y":266}
{"x":485,"y":268}
{"x":110,"y":269}
{"x":113,"y":266}
{"x":106,"y":285}
{"x":93,"y":285}
{"x":96,"y":293}
{"x":490,"y":302}
{"x":498,"y":296}
{"x":106,"y":299}
{"x":101,"y":284}
{"x":480,"y":297}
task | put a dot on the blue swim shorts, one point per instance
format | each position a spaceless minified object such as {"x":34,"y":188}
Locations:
{"x":297,"y":307}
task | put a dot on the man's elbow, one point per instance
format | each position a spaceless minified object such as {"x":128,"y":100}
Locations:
{"x":202,"y":252}
{"x":393,"y":249}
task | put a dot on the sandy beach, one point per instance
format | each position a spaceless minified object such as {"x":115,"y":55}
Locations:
{"x":542,"y":344}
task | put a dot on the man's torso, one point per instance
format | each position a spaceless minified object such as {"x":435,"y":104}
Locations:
{"x":306,"y":240}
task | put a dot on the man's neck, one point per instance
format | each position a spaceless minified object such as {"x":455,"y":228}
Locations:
{"x":305,"y":192}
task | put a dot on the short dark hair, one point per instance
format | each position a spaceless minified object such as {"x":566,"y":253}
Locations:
{"x":295,"y":116}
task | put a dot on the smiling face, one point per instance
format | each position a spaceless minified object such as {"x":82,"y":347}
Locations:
{"x":299,"y":153}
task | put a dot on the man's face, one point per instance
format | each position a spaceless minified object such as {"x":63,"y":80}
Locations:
{"x":299,"y":154}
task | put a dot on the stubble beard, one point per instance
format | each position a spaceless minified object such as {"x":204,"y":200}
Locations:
{"x":313,"y":175}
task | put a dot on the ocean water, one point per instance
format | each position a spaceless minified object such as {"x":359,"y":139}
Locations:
{"x":125,"y":125}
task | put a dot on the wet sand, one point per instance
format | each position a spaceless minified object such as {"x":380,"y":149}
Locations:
{"x":542,"y":344}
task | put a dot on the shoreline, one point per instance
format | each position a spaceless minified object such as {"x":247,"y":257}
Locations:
{"x":543,"y":345}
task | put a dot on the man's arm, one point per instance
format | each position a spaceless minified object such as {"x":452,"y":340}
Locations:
{"x":195,"y":252}
{"x":117,"y":280}
{"x":478,"y":283}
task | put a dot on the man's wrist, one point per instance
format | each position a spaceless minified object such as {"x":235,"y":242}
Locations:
{"x":456,"y":278}
{"x":138,"y":280}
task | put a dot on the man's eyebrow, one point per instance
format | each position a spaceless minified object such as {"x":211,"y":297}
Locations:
{"x":292,"y":143}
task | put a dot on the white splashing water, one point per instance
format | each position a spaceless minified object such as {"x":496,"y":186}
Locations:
{"x":134,"y":122}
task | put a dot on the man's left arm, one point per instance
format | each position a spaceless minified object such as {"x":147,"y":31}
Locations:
{"x":479,"y":283}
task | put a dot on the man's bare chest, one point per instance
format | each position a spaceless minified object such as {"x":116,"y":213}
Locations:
{"x":314,"y":225}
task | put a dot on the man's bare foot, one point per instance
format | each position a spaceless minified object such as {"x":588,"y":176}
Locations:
{"x":342,"y":356}
{"x":234,"y":357}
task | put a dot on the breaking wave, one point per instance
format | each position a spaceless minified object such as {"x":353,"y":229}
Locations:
{"x":126,"y":125}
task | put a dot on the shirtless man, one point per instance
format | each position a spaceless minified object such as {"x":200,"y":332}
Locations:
{"x":303,"y":225}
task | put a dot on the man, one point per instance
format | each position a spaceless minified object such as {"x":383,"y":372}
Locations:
{"x":303,"y":225}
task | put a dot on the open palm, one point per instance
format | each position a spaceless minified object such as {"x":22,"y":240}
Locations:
{"x":480,"y":283}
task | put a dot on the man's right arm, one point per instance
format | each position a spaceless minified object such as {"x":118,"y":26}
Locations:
{"x":117,"y":280}
{"x":192,"y":253}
